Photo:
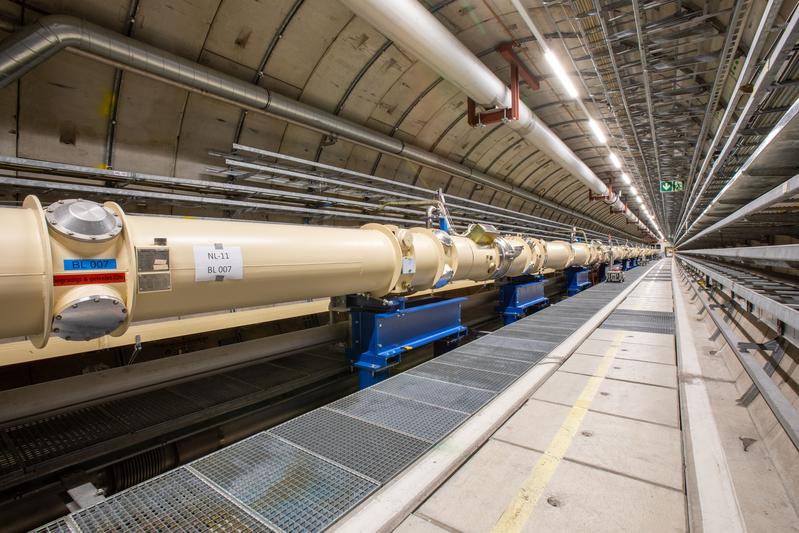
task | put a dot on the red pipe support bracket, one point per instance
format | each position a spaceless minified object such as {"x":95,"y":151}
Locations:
{"x":517,"y":70}
{"x":506,"y":51}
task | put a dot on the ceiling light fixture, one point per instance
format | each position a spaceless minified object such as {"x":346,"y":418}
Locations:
{"x":625,"y":178}
{"x":615,"y":160}
{"x":597,"y":131}
{"x":561,"y":74}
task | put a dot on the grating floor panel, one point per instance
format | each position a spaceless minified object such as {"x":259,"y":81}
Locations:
{"x":458,"y":397}
{"x":492,"y":364}
{"x":149,"y":409}
{"x":528,"y":344}
{"x":470,"y":377}
{"x":373,"y":451}
{"x":541,"y":334}
{"x":643,"y":321}
{"x":265,"y":375}
{"x":176,"y":501}
{"x":8,"y":458}
{"x":212,"y":390}
{"x":420,"y":420}
{"x":504,"y":353}
{"x":290,"y":488}
{"x":59,"y":434}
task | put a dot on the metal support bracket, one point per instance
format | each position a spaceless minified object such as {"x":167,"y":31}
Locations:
{"x":766,"y":346}
{"x":577,"y":280}
{"x":769,"y":368}
{"x":381,"y":334}
{"x":521,"y":297}
{"x":504,"y":114}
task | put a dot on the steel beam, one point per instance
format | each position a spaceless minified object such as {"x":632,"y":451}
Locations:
{"x":775,"y":195}
{"x":785,"y":314}
{"x":776,"y":255}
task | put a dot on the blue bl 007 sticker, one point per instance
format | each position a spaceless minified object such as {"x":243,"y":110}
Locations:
{"x":90,"y":264}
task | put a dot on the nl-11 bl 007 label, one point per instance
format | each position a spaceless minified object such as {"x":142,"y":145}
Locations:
{"x":217,"y":262}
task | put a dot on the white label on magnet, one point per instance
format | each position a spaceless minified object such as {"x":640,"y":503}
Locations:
{"x":409,"y":265}
{"x":216,"y":262}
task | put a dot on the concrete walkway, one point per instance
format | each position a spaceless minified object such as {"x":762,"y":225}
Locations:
{"x":597,"y":447}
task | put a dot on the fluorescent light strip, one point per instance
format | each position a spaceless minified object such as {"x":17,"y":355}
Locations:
{"x":571,"y":90}
{"x":597,"y":131}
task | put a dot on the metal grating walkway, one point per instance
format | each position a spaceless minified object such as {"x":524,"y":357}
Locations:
{"x":306,"y":473}
{"x":47,"y":443}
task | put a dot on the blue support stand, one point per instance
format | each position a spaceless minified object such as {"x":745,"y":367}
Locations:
{"x":628,"y":264}
{"x":519,"y":298}
{"x":382,"y":333}
{"x":577,"y":280}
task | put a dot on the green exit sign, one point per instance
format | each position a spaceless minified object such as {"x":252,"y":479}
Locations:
{"x":671,"y":186}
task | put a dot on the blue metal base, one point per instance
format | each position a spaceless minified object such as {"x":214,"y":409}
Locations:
{"x":577,"y":280}
{"x":628,"y":264}
{"x":520,"y":298}
{"x":381,"y":335}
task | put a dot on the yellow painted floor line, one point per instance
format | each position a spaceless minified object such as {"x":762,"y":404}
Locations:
{"x":518,"y":512}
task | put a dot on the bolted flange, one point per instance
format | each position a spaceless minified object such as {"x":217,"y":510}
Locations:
{"x":89,"y":318}
{"x":83,"y":220}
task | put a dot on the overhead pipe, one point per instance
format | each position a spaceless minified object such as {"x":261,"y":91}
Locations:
{"x":25,"y":50}
{"x":413,"y":27}
{"x":81,"y":270}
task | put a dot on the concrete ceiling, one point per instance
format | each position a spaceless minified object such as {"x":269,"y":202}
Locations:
{"x":316,"y":51}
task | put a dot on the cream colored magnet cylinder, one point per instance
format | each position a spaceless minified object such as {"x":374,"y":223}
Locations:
{"x":581,"y":253}
{"x":559,"y":255}
{"x":281,"y":263}
{"x":524,"y":261}
{"x":158,"y":267}
{"x":26,"y":275}
{"x":430,"y":258}
{"x":475,"y":262}
{"x":539,"y":252}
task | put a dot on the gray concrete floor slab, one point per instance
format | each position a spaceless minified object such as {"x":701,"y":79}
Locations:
{"x":630,"y":400}
{"x":624,"y":369}
{"x":649,"y":452}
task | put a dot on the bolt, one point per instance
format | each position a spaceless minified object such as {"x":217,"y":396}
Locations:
{"x":115,"y":302}
{"x":58,"y":317}
{"x":554,"y":502}
{"x":124,"y":310}
{"x":96,"y":300}
{"x":56,"y":330}
{"x":74,"y":306}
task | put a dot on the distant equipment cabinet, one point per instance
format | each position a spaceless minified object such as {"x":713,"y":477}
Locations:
{"x":615,"y":275}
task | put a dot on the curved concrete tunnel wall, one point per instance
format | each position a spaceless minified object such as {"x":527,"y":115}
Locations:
{"x":34,"y":44}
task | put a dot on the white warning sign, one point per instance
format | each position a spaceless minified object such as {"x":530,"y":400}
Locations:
{"x":216,"y":262}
